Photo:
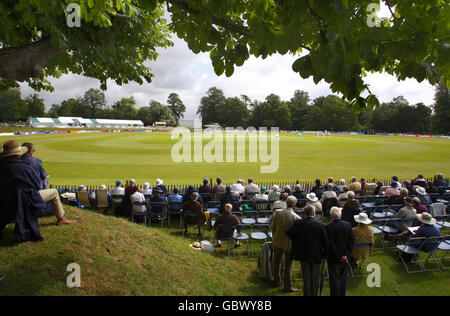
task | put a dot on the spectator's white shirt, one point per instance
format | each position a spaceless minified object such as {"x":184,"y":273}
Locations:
{"x":328,"y":195}
{"x":237,"y":188}
{"x":146,"y":191}
{"x":118,"y":191}
{"x":261,"y":197}
{"x":138,"y":197}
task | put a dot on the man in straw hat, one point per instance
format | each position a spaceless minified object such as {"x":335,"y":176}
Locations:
{"x":340,"y":245}
{"x":428,"y":229}
{"x":18,"y":177}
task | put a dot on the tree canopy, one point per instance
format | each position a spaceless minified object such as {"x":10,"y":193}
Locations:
{"x":338,"y":41}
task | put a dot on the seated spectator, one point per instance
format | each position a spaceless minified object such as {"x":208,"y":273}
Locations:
{"x":363,"y":233}
{"x":329,"y":193}
{"x":363,"y":183}
{"x":287,"y":189}
{"x":280,"y":204}
{"x":354,"y":185}
{"x":407,"y":185}
{"x":343,"y":195}
{"x":314,"y":202}
{"x":351,"y":208}
{"x":395,"y":179}
{"x":333,"y":186}
{"x":157,"y":196}
{"x":188,"y":195}
{"x":420,"y":181}
{"x":407,"y":214}
{"x":340,"y":187}
{"x":250,"y":188}
{"x":262,"y":196}
{"x":159,"y":184}
{"x":420,"y":208}
{"x":428,"y":229}
{"x":439,"y":180}
{"x":129,"y":189}
{"x":218,"y":190}
{"x":138,"y":197}
{"x":423,"y":196}
{"x":146,"y":190}
{"x":298,"y":192}
{"x":274,"y":194}
{"x":194,"y":206}
{"x":205,"y":188}
{"x":229,"y":196}
{"x":399,"y":200}
{"x":392,"y":190}
{"x":226,"y":219}
{"x":317,"y":188}
{"x":91,"y":195}
{"x":238,"y":187}
{"x":431,"y":188}
{"x":118,"y":189}
{"x":378,"y":187}
{"x":175,"y":196}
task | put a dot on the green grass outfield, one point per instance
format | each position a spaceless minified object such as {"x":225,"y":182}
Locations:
{"x":101,"y":158}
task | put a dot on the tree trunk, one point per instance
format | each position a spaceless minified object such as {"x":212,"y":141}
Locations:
{"x":22,"y":63}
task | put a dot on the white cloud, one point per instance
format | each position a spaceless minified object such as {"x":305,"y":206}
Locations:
{"x":181,"y":71}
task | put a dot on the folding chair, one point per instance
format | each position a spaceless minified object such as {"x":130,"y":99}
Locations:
{"x":214,"y":207}
{"x":264,"y":217}
{"x":360,"y":245}
{"x":174,"y":208}
{"x":437,"y":210}
{"x":157,"y":210}
{"x":249,"y":217}
{"x":434,"y":242}
{"x":101,"y":199}
{"x":444,"y":246}
{"x":139,"y":210}
{"x":259,"y":233}
{"x":243,"y":236}
{"x":396,"y":207}
{"x":412,"y":249}
{"x":83,"y":198}
{"x":261,"y":205}
{"x":117,"y":202}
{"x":191,"y":218}
{"x":226,"y":234}
{"x":378,"y":232}
{"x":387,"y":229}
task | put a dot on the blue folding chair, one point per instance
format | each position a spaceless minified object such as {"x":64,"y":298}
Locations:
{"x":174,"y":208}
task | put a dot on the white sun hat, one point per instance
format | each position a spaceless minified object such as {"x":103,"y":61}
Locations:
{"x":421,"y":191}
{"x":159,"y":182}
{"x":312,"y":197}
{"x":362,"y":218}
{"x":426,"y":218}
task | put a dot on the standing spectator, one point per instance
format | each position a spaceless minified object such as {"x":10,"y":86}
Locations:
{"x":205,"y":188}
{"x":310,"y":246}
{"x":282,"y":220}
{"x":218,"y":190}
{"x":274,"y":194}
{"x":36,"y":164}
{"x":193,"y":206}
{"x":250,"y":188}
{"x":364,"y":233}
{"x":355,"y":185}
{"x":238,"y":187}
{"x":351,"y":208}
{"x":314,"y":202}
{"x":420,"y":208}
{"x":340,"y":246}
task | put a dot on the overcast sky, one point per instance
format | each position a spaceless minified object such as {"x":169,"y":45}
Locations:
{"x":179,"y":70}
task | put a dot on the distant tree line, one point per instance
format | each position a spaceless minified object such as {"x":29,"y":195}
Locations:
{"x":326,"y":113}
{"x":299,"y":113}
{"x":91,"y":105}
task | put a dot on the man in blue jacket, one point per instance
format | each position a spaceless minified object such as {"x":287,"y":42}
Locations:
{"x":310,"y":246}
{"x":341,"y":241}
{"x":36,"y":164}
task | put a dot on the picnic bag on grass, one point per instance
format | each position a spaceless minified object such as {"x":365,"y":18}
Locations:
{"x":265,"y":261}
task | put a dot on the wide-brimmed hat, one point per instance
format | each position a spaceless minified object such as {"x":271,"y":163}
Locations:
{"x":158,"y":190}
{"x":146,"y":185}
{"x":312,"y":197}
{"x":159,"y":182}
{"x":362,"y":218}
{"x":426,"y":218}
{"x":12,"y":148}
{"x":421,"y":191}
